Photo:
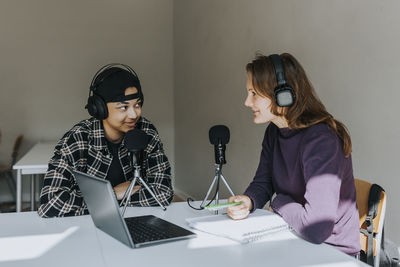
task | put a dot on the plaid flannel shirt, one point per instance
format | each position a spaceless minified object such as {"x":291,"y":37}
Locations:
{"x":84,"y":148}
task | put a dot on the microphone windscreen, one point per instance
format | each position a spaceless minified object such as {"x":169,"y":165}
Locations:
{"x":136,"y":140}
{"x":219,"y":134}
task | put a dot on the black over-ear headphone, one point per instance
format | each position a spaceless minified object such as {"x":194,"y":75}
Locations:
{"x":96,"y":105}
{"x":284,"y":93}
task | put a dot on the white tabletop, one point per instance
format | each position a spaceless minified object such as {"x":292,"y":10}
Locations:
{"x":28,"y":240}
{"x":38,"y":157}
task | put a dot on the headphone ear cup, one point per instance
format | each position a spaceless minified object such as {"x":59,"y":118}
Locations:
{"x":91,"y":107}
{"x":102,"y":111}
{"x":284,"y":96}
{"x":97,"y":107}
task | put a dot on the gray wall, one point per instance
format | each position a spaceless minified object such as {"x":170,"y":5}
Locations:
{"x":349,"y":50}
{"x":51,"y":49}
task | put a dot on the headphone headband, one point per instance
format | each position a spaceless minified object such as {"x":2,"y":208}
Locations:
{"x":278,"y":66}
{"x":283,"y":92}
{"x":106,"y":67}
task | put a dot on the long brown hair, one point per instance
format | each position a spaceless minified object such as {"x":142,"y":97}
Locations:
{"x":307,"y":109}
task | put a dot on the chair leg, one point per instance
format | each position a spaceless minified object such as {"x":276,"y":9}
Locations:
{"x":11,"y":184}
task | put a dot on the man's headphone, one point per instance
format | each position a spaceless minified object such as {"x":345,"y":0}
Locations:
{"x":283,"y":92}
{"x":96,"y":105}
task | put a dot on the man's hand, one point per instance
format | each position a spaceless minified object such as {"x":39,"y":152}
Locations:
{"x":121,"y":189}
{"x":240,"y":211}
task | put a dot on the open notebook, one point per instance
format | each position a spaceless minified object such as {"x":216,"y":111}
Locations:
{"x":256,"y":226}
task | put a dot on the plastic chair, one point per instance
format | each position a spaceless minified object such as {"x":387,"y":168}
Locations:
{"x":363,"y":190}
{"x":7,"y":170}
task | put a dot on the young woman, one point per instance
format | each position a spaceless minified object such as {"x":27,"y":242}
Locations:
{"x":305,"y":158}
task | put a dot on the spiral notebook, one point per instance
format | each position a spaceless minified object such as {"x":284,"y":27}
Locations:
{"x":258,"y":225}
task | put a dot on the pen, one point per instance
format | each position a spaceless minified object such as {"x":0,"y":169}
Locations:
{"x":223,"y":205}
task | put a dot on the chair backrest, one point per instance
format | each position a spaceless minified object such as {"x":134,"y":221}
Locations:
{"x":16,"y":147}
{"x":362,"y":190}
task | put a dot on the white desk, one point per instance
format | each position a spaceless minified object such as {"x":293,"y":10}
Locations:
{"x":34,"y":162}
{"x":28,"y":240}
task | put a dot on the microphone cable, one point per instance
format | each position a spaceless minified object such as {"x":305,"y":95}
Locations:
{"x":189,"y":199}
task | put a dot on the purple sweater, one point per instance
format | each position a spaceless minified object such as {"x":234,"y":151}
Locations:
{"x":313,"y":182}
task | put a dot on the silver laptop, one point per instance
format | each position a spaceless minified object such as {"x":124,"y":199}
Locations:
{"x":134,"y":231}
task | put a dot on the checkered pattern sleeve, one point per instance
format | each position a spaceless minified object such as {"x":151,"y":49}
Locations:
{"x":60,"y":195}
{"x":157,"y":173}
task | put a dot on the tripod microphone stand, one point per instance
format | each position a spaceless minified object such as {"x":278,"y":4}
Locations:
{"x":136,"y":141}
{"x":219,"y":137}
{"x":127,"y":196}
{"x":218,"y":176}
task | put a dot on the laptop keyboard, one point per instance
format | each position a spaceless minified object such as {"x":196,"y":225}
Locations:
{"x":143,"y":229}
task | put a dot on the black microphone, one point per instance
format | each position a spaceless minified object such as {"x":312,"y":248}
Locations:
{"x":219,"y":137}
{"x":135,"y":141}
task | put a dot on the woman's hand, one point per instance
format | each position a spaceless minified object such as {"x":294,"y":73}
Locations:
{"x":121,"y":188}
{"x":240,"y":211}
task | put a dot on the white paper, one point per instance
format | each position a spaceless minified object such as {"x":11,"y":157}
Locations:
{"x":256,"y":226}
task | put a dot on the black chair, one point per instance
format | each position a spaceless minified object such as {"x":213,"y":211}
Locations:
{"x":7,"y":170}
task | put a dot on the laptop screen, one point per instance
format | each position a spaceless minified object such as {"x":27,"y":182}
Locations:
{"x":103,"y":206}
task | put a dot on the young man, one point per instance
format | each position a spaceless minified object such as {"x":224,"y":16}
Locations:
{"x":96,"y":146}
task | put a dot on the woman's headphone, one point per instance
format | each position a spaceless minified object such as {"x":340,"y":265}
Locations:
{"x":96,"y":105}
{"x":283,"y":92}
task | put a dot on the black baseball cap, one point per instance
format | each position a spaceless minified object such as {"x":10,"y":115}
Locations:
{"x":112,"y":83}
